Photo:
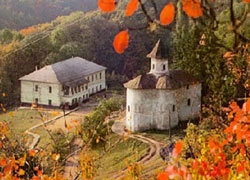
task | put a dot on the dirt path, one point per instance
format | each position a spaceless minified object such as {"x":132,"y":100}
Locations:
{"x":154,"y":146}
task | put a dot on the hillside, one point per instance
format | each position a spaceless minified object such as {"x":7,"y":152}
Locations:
{"x":87,"y":35}
{"x":19,"y":14}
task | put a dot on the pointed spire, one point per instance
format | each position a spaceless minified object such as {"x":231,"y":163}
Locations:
{"x":159,"y":51}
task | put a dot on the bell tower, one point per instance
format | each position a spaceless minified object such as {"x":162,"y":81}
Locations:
{"x":159,"y":60}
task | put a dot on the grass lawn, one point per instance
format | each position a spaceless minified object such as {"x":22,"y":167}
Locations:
{"x":113,"y":161}
{"x":21,"y":120}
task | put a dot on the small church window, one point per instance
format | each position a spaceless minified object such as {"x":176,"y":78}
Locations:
{"x":72,"y":90}
{"x":36,"y":88}
{"x":164,"y":67}
{"x":189,"y":102}
{"x":79,"y":88}
{"x":173,"y":108}
{"x":100,"y":75}
{"x":128,"y":108}
{"x":50,"y":89}
{"x":50,"y":102}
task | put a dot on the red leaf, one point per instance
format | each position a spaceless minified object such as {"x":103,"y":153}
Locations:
{"x":106,"y":5}
{"x":121,"y":41}
{"x":1,"y":145}
{"x":167,"y":14}
{"x":248,"y":1}
{"x":162,"y":176}
{"x":192,"y":8}
{"x":131,"y":7}
{"x":241,"y":167}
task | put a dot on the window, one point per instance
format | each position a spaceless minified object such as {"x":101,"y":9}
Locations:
{"x":92,"y":90}
{"x":96,"y":76}
{"x":86,"y":87}
{"x":164,"y":67}
{"x":100,"y":75}
{"x":188,"y":86}
{"x":128,"y":108}
{"x":189,"y":102}
{"x":153,"y":66}
{"x":79,"y":88}
{"x":80,"y":100}
{"x":83,"y":96}
{"x":73,"y":101}
{"x":100,"y":87}
{"x":92,"y":77}
{"x":50,"y":89}
{"x":36,"y":100}
{"x":173,"y":108}
{"x":96,"y":88}
{"x":36,"y":88}
{"x":72,"y":90}
{"x":75,"y":89}
{"x":50,"y":102}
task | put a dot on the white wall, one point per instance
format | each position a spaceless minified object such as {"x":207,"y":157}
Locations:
{"x":193,"y":93}
{"x":157,"y":66}
{"x":96,"y":83}
{"x":149,"y":109}
{"x":28,"y":93}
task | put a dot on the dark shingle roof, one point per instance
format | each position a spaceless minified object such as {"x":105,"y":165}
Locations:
{"x":70,"y":72}
{"x":159,"y":51}
{"x":176,"y":79}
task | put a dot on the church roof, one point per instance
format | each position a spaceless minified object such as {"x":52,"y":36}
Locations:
{"x":176,"y":79}
{"x":159,"y":51}
{"x":70,"y":72}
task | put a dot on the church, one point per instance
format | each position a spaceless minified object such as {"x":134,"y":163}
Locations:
{"x":161,"y":98}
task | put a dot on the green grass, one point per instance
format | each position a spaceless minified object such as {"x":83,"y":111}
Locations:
{"x":21,"y":120}
{"x":113,"y":161}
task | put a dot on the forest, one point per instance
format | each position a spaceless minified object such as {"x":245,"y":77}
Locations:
{"x":19,"y":14}
{"x":209,"y":39}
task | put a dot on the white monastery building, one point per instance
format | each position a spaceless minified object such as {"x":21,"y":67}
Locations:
{"x":68,"y":82}
{"x":162,"y":97}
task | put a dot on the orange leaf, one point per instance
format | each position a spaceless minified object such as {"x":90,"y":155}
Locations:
{"x":192,"y":8}
{"x":1,"y":145}
{"x":32,"y":152}
{"x":21,"y":172}
{"x":131,"y":7}
{"x":35,"y":178}
{"x":40,"y":173}
{"x":162,"y":176}
{"x":248,"y":1}
{"x":121,"y":41}
{"x":177,"y":149}
{"x":106,"y":5}
{"x":167,"y":14}
{"x":3,"y":162}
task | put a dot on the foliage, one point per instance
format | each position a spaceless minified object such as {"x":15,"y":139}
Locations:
{"x":19,"y":14}
{"x":94,"y":128}
{"x":222,"y":153}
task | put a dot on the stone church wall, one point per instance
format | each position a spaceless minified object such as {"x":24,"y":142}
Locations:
{"x":150,"y":109}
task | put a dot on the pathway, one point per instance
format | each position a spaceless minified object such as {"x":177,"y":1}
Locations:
{"x":154,"y":146}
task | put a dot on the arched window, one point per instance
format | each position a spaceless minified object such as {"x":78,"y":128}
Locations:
{"x":164,"y":67}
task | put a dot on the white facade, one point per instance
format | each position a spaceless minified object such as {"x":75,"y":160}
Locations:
{"x":163,"y":97}
{"x":152,"y":108}
{"x":69,"y":83}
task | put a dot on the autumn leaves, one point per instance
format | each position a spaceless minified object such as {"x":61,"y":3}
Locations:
{"x":191,"y":7}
